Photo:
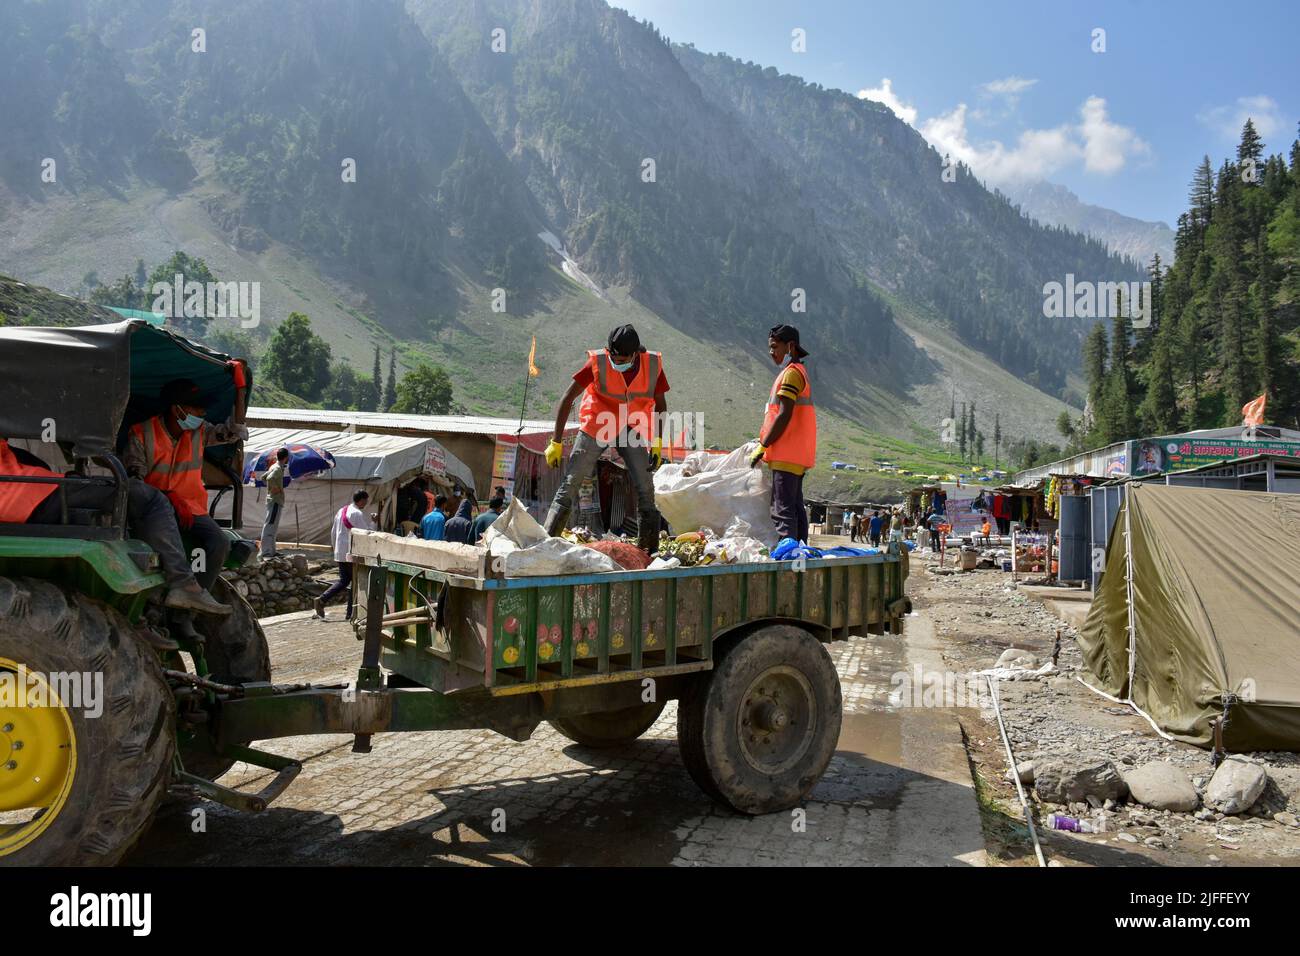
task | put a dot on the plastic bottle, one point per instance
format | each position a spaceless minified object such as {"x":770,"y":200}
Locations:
{"x":1059,"y":821}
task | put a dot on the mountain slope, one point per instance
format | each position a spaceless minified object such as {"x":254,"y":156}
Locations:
{"x":717,"y":242}
{"x":1054,"y":205}
{"x":950,"y":247}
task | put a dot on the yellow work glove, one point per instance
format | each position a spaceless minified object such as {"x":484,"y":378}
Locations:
{"x":656,"y":454}
{"x":554,"y":453}
{"x":756,"y":456}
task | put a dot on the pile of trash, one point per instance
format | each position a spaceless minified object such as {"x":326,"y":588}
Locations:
{"x":737,"y":545}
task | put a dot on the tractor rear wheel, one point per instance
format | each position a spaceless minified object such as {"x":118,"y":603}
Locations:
{"x":758,"y":731}
{"x":87,"y":728}
{"x":610,"y":728}
{"x":236,"y":651}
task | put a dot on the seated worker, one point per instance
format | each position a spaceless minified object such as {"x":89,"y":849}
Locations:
{"x":985,"y":529}
{"x":433,"y":525}
{"x":166,"y":451}
{"x":148,"y":512}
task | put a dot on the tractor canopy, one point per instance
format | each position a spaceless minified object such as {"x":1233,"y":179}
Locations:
{"x":88,"y":384}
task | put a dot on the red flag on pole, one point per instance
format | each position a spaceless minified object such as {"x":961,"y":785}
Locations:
{"x":1252,"y":413}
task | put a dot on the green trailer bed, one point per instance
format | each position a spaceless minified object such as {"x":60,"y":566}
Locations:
{"x":521,"y":635}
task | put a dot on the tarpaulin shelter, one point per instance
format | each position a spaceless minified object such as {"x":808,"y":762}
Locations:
{"x":379,"y":464}
{"x":1198,"y":612}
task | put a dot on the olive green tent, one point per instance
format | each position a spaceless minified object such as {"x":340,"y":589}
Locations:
{"x":1200,"y":607}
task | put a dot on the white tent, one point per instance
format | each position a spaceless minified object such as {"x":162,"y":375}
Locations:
{"x":380,"y":464}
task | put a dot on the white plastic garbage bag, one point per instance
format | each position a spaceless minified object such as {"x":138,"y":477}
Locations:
{"x":710,"y":491}
{"x":525,"y":549}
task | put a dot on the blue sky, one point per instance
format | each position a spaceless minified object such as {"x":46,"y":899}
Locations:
{"x":1015,"y":88}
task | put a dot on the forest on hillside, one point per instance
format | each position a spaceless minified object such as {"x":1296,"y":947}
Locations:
{"x":1224,"y":317}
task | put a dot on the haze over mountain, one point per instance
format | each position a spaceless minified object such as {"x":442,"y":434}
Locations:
{"x":763,"y":191}
{"x":1055,"y":205}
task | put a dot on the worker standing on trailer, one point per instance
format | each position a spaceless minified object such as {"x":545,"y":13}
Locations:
{"x":788,"y":439}
{"x":622,"y":388}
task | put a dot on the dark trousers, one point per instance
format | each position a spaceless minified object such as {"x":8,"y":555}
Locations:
{"x":788,"y":511}
{"x":151,"y":519}
{"x":344,"y":583}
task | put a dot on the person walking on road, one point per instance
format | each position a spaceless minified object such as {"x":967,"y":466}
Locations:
{"x":274,"y":478}
{"x":345,"y":519}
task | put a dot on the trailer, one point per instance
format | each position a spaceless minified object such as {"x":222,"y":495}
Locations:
{"x":599,"y":656}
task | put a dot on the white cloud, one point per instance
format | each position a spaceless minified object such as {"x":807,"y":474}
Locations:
{"x":1227,"y":121}
{"x":1106,"y":145}
{"x":1009,"y":86}
{"x":1100,"y":145}
{"x":885,"y":94}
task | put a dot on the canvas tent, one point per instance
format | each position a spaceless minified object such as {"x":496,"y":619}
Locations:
{"x":1184,"y":622}
{"x":378,"y":463}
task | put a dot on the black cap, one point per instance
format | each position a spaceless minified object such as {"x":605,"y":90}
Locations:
{"x":788,"y":333}
{"x":623,"y":341}
{"x":181,"y":391}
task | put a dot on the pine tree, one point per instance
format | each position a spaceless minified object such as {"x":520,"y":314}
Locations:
{"x":1201,"y":196}
{"x":390,"y":387}
{"x":1251,"y":147}
{"x":961,"y":433}
{"x":997,"y":437}
{"x":376,"y":386}
{"x":970,"y":428}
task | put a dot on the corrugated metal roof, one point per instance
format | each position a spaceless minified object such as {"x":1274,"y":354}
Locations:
{"x":463,"y":424}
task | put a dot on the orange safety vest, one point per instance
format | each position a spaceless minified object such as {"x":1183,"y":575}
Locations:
{"x":174,"y":466}
{"x":798,"y":443}
{"x":18,"y":499}
{"x":611,"y":403}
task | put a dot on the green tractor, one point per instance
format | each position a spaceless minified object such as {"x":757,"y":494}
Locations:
{"x":95,"y":723}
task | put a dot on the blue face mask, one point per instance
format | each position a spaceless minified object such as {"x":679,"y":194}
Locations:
{"x":621,"y":368}
{"x":190,"y":422}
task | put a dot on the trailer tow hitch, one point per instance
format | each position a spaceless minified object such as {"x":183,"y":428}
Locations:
{"x":285,"y":769}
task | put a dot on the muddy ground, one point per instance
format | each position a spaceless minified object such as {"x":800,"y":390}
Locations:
{"x":978,"y":615}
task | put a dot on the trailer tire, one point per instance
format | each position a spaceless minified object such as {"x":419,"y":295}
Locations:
{"x":758,"y":733}
{"x":610,"y":728}
{"x":237,"y":653}
{"x":118,"y":762}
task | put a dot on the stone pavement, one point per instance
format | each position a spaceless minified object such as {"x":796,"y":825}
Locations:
{"x":897,"y":792}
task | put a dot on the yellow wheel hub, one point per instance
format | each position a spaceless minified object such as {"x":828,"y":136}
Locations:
{"x":38,"y":755}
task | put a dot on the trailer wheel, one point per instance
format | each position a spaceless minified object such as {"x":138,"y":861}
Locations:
{"x":759,"y":730}
{"x":237,"y":653}
{"x":610,"y":728}
{"x":81,"y":779}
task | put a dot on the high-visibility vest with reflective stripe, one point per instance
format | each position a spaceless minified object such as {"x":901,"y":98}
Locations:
{"x":599,"y":415}
{"x":18,"y":499}
{"x":798,"y":443}
{"x":174,"y":466}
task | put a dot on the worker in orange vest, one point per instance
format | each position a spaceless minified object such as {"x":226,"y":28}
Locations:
{"x":622,"y":388}
{"x":147,"y":511}
{"x":788,"y":440}
{"x":166,"y":451}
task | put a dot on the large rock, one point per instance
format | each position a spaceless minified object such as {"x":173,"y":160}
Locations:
{"x":1162,"y":786}
{"x":1072,"y":779}
{"x":1235,"y":786}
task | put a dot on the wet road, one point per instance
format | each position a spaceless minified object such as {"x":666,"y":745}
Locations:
{"x":898,"y":790}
